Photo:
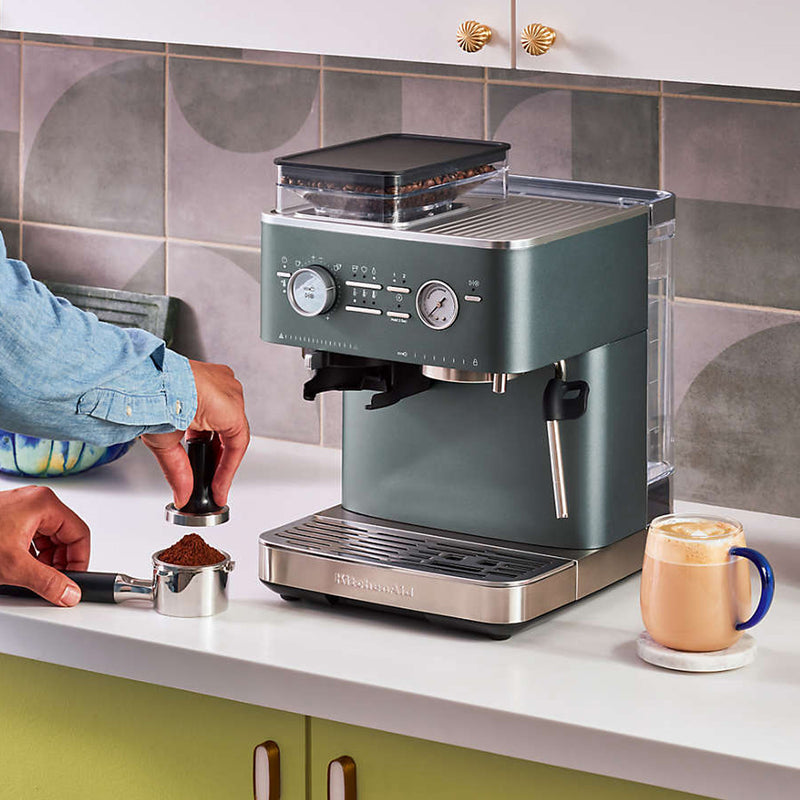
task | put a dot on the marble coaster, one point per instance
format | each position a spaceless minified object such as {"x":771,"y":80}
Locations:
{"x":738,"y":655}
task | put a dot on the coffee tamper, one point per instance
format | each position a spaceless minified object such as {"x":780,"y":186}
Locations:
{"x":202,"y":510}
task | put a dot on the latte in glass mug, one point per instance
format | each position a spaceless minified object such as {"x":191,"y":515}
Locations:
{"x":695,"y":593}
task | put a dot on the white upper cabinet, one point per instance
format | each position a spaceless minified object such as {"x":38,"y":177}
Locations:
{"x":411,"y":30}
{"x":698,"y":41}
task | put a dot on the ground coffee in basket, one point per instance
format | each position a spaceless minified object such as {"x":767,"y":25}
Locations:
{"x":191,"y":551}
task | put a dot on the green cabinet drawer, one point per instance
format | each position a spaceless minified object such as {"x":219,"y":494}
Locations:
{"x":75,"y":735}
{"x":392,"y":767}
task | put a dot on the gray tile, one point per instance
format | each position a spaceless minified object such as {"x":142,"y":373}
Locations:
{"x":358,"y":105}
{"x":95,"y":259}
{"x":240,"y":54}
{"x":737,"y":437}
{"x":89,"y":41}
{"x":219,"y":322}
{"x":9,"y":35}
{"x":703,"y":330}
{"x":591,"y":136}
{"x":538,"y":125}
{"x":733,"y":92}
{"x":406,"y":67}
{"x":94,"y":139}
{"x":442,"y":108}
{"x":563,"y":79}
{"x":615,"y":139}
{"x":10,"y":231}
{"x":332,"y":419}
{"x":733,"y":152}
{"x":9,"y":129}
{"x":227,"y":123}
{"x":738,"y":252}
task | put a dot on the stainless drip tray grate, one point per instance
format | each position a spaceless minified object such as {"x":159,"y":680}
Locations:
{"x":405,"y":549}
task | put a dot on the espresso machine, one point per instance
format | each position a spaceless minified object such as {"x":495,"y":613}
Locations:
{"x":503,"y":347}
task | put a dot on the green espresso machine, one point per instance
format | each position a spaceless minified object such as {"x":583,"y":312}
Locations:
{"x":503,"y":346}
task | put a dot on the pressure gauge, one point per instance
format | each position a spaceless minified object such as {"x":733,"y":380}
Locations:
{"x":437,"y":305}
{"x":311,"y":291}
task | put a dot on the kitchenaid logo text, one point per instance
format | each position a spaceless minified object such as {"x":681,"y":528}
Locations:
{"x":343,"y":579}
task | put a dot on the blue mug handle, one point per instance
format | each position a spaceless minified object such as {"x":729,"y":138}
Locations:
{"x":767,"y":585}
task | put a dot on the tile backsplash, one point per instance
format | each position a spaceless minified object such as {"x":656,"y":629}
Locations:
{"x":146,"y":166}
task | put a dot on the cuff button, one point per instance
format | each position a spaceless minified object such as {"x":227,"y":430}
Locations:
{"x":128,"y":410}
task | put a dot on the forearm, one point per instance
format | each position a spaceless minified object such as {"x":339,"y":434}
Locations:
{"x":65,"y":375}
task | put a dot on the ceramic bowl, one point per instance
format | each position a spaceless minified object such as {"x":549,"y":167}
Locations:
{"x":45,"y":458}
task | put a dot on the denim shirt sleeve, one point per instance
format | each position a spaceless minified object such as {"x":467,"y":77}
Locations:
{"x":66,"y":375}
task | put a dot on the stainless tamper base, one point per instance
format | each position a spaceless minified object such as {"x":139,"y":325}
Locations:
{"x":178,"y":517}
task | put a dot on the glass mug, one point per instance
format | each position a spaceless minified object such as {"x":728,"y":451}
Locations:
{"x":696,"y":585}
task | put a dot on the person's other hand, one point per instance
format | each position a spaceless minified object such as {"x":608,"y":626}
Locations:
{"x":33,"y":515}
{"x":220,"y":408}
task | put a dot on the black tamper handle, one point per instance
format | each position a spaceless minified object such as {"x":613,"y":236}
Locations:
{"x":203,"y":460}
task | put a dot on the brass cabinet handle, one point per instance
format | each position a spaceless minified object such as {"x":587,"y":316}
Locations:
{"x":472,"y":36}
{"x":342,"y":779}
{"x":267,"y":771}
{"x":537,"y":39}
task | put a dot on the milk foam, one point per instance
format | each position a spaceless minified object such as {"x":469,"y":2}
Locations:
{"x":694,"y":541}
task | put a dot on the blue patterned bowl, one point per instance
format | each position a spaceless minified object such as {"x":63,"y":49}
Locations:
{"x":46,"y":458}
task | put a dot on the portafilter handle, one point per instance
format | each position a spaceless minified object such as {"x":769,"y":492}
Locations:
{"x":111,"y":587}
{"x":562,"y":400}
{"x":98,"y":587}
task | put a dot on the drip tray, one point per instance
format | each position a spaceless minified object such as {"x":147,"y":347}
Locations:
{"x":339,"y":556}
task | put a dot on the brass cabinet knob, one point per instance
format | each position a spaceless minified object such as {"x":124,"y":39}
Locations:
{"x":537,"y":39}
{"x":267,"y":771}
{"x":472,"y":36}
{"x":342,"y":779}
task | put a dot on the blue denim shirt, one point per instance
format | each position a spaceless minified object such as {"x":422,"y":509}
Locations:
{"x":66,"y":375}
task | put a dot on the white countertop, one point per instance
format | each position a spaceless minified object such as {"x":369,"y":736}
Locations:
{"x":568,"y":691}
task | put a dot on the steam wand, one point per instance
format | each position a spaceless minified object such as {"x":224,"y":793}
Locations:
{"x":562,"y":400}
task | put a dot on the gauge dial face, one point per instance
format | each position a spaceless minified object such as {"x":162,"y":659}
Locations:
{"x":437,"y":305}
{"x":311,"y":291}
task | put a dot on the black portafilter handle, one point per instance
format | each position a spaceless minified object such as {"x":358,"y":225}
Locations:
{"x":203,"y":460}
{"x":96,"y":587}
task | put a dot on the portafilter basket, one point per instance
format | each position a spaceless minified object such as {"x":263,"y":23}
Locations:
{"x":180,"y":591}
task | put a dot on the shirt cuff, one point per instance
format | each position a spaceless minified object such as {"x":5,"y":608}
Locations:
{"x":172,"y":406}
{"x":180,"y":390}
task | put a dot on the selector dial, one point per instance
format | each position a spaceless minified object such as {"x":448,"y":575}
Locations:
{"x":437,"y":305}
{"x":311,"y":291}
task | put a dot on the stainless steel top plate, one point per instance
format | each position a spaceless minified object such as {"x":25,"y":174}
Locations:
{"x":536,"y":211}
{"x":451,"y":557}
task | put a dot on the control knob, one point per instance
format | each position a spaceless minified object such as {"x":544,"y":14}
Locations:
{"x":311,"y":290}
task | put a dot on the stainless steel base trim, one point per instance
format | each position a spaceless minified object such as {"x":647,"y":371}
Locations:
{"x":378,"y":575}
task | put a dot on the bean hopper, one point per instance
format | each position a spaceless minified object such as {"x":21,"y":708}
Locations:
{"x":502,"y":343}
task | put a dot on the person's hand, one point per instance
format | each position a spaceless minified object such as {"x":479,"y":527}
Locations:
{"x":34,"y":516}
{"x":220,"y":408}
